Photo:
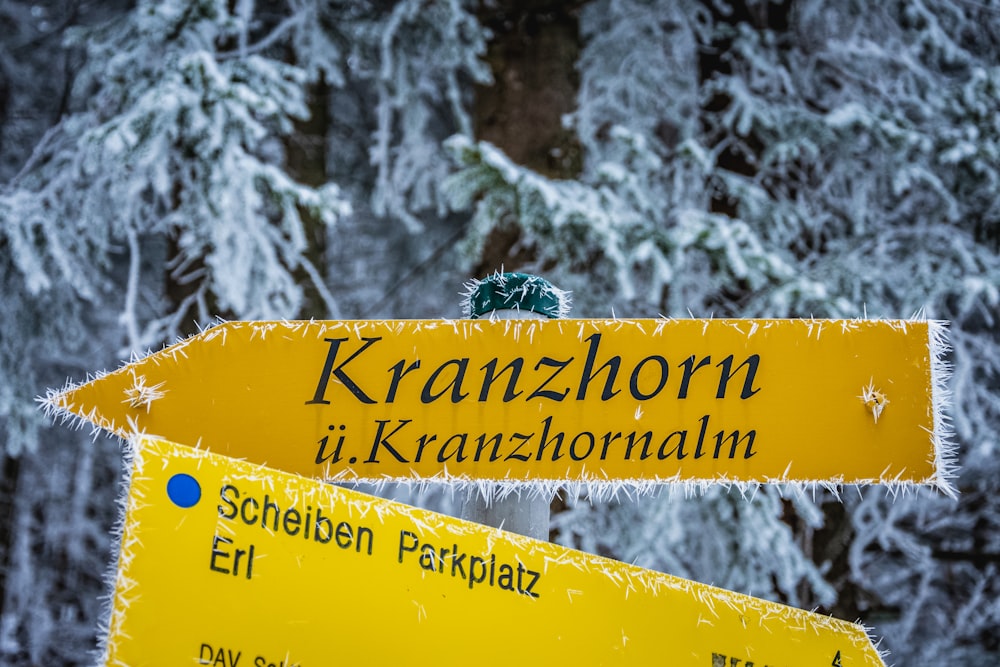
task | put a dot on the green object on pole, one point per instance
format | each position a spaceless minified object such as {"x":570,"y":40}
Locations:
{"x":515,"y":291}
{"x":512,"y":296}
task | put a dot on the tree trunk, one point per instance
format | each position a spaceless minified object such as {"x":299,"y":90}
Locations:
{"x":8,"y":487}
{"x":306,"y":155}
{"x":533,"y":57}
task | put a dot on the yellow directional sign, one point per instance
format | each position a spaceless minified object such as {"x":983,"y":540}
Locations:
{"x":849,"y":401}
{"x":228,"y":563}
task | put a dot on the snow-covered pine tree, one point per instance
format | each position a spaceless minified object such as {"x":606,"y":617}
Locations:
{"x":151,"y":193}
{"x":164,"y":170}
{"x":790,"y":159}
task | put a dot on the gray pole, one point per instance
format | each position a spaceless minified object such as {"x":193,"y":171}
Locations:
{"x":513,"y":296}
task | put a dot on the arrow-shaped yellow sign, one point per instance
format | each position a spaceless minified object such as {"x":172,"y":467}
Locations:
{"x":851,"y":401}
{"x":227,"y":563}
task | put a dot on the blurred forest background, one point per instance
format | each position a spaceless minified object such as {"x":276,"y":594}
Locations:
{"x":164,"y":163}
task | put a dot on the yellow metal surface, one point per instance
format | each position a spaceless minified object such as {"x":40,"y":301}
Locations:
{"x":702,"y":400}
{"x":228,"y":563}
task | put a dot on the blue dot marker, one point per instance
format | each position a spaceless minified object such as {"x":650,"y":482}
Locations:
{"x":184,"y":490}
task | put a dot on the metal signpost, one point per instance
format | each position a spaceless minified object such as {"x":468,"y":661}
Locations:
{"x":226,"y":562}
{"x":512,"y":296}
